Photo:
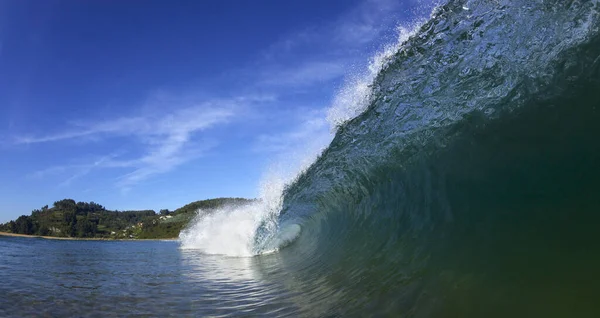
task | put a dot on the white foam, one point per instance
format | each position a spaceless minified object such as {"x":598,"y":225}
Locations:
{"x":231,"y":230}
{"x":253,"y":229}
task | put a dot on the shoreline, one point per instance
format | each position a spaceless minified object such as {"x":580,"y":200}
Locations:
{"x":79,"y":239}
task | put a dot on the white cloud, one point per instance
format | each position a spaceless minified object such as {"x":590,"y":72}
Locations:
{"x":73,"y":171}
{"x":291,"y":42}
{"x":178,"y":123}
{"x":325,"y":53}
{"x":366,"y":22}
{"x":294,"y":149}
{"x":166,"y":137}
{"x":352,"y":29}
{"x":309,"y":128}
{"x":166,"y":140}
{"x":306,"y":74}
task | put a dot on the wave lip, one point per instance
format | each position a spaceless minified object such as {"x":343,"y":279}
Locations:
{"x":467,"y":187}
{"x":473,"y":58}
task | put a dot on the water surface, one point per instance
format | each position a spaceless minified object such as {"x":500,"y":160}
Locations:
{"x":146,"y":278}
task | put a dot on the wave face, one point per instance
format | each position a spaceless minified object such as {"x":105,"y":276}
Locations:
{"x":469,"y":185}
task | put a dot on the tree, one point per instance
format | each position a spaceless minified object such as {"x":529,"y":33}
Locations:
{"x":66,"y":205}
{"x":85,"y":228}
{"x":70,"y":223}
{"x":43,"y":231}
{"x":72,"y":219}
{"x":24,"y":225}
{"x":95,"y":207}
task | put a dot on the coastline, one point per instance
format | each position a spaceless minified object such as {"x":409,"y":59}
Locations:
{"x":79,"y":239}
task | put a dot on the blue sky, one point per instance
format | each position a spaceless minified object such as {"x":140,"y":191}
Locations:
{"x":154,"y":104}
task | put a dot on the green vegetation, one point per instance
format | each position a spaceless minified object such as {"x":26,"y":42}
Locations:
{"x":67,"y":218}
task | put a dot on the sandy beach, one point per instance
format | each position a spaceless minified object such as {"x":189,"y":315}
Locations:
{"x":79,"y":239}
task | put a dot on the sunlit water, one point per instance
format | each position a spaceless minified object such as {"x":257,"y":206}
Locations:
{"x":152,"y":278}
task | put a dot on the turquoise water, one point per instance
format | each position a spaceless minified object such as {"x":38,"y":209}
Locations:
{"x":468,"y":187}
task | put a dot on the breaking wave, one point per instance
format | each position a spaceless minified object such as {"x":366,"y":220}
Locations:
{"x":462,"y":180}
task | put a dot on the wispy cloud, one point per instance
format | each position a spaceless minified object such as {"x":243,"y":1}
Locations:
{"x":161,"y":160}
{"x":326,"y":53}
{"x":73,"y":171}
{"x":172,"y":126}
{"x":311,"y":130}
{"x":168,"y":139}
{"x":295,"y":148}
{"x":306,"y":74}
{"x":354,"y":29}
{"x":171,"y":135}
{"x":366,"y":22}
{"x":336,"y":49}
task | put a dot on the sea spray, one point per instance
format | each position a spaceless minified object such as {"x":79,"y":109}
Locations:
{"x":467,"y":187}
{"x":253,"y":229}
{"x":231,"y":230}
{"x":355,"y":95}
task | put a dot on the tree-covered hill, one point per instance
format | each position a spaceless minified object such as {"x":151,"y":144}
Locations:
{"x":67,"y":218}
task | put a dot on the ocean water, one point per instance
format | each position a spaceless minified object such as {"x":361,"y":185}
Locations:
{"x":463,"y":181}
{"x":51,"y":278}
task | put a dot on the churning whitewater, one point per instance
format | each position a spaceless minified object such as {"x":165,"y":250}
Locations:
{"x":255,"y":228}
{"x":232,"y":230}
{"x":462,"y":179}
